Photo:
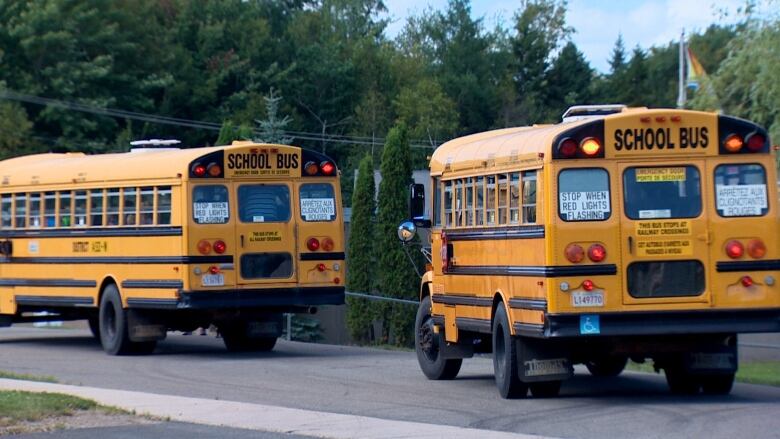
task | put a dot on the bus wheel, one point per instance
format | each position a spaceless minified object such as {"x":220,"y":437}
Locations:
{"x":545,"y":389}
{"x":94,"y":326}
{"x":680,"y":381}
{"x":608,"y":366}
{"x":426,"y":344}
{"x":113,"y":323}
{"x":505,"y":358}
{"x":236,"y":339}
{"x":717,"y":384}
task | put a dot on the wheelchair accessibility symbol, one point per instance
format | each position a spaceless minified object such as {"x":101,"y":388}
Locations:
{"x":589,"y":324}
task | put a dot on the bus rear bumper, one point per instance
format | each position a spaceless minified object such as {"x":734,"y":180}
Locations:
{"x":259,"y":298}
{"x":653,"y":323}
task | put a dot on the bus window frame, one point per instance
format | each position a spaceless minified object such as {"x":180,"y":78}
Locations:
{"x":289,"y":202}
{"x":715,"y":190}
{"x":558,"y":194}
{"x":535,"y":204}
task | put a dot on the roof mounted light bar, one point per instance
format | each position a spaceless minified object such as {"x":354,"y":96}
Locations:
{"x":579,"y":112}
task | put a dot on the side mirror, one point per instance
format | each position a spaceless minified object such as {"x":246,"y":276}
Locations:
{"x":406,"y":231}
{"x":417,"y":205}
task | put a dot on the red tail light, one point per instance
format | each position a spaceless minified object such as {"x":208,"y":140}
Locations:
{"x":756,"y":248}
{"x":213,"y":269}
{"x":597,"y":252}
{"x":574,"y":253}
{"x":204,"y":247}
{"x":327,"y":168}
{"x":220,"y":247}
{"x":734,"y":249}
{"x":756,"y":142}
{"x":747,"y":281}
{"x":444,"y":253}
{"x":567,"y":148}
{"x":199,"y":170}
{"x":313,"y":244}
{"x":587,"y":285}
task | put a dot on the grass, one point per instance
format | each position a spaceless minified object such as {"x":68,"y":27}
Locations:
{"x":25,"y":377}
{"x":17,"y":407}
{"x":754,"y":372}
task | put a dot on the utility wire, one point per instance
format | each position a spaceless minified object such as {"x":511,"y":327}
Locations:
{"x":201,"y":125}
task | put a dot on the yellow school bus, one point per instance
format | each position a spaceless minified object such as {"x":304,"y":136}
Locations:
{"x":620,"y":233}
{"x":161,"y":239}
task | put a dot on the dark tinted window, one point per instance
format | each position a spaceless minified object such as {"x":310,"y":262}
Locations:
{"x":318,"y":203}
{"x":665,"y":279}
{"x":263,"y":203}
{"x":210,"y":204}
{"x":583,"y":195}
{"x":266,"y":265}
{"x":662,"y":192}
{"x":740,"y":190}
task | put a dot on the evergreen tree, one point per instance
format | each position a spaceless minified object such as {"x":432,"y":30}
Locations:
{"x":397,"y":277}
{"x":617,"y":61}
{"x":568,"y":82}
{"x":638,"y":90}
{"x":360,"y":256}
{"x":272,"y":127}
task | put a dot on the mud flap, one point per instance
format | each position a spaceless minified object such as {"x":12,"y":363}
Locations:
{"x":141,"y":327}
{"x":462,"y":349}
{"x":542,"y":360}
{"x":713,"y":359}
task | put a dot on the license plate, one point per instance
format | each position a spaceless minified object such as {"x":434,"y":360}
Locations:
{"x":587,"y":298}
{"x":213,"y":280}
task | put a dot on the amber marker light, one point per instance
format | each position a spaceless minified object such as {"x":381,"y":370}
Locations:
{"x":327,"y":244}
{"x":733,"y":143}
{"x":214,"y":170}
{"x":204,"y":247}
{"x":574,"y":253}
{"x":756,"y":248}
{"x":590,"y":146}
{"x":311,"y":168}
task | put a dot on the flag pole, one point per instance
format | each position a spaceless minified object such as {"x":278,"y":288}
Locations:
{"x":681,"y":95}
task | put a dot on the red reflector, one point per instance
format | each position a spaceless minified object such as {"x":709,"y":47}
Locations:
{"x":320,"y":267}
{"x":327,"y":168}
{"x":660,"y":119}
{"x":199,"y":170}
{"x":220,"y":247}
{"x":645,"y":119}
{"x":567,"y":148}
{"x":734,"y":249}
{"x":747,"y":281}
{"x":336,"y":281}
{"x":756,"y":142}
{"x":597,"y":252}
{"x":587,"y":285}
{"x":213,"y":269}
{"x":313,"y":244}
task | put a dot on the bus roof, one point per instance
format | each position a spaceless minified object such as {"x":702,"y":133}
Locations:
{"x":77,"y":167}
{"x":504,"y":145}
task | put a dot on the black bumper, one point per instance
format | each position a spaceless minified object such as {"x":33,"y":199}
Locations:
{"x":255,"y":298}
{"x":657,"y":323}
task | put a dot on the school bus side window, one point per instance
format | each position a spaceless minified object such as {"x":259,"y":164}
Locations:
{"x":49,"y":209}
{"x":529,"y":197}
{"x":163,"y":205}
{"x":436,"y":202}
{"x":20,"y":206}
{"x":740,"y":190}
{"x":112,"y":207}
{"x":318,"y":202}
{"x":96,"y":207}
{"x":35,"y":209}
{"x":459,"y":203}
{"x":80,"y":205}
{"x":583,"y":194}
{"x":5,"y":211}
{"x":479,"y":189}
{"x":447,"y":203}
{"x":65,"y":209}
{"x":210,"y":204}
{"x":490,"y":205}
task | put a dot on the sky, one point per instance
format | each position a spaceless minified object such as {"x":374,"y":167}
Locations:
{"x":597,"y":23}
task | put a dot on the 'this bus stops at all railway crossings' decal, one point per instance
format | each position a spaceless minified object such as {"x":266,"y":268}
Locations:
{"x":318,"y":209}
{"x":578,"y":206}
{"x":741,"y":200}
{"x":664,"y":238}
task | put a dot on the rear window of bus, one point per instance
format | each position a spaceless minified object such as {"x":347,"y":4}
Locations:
{"x":263,"y":203}
{"x":210,"y":204}
{"x":740,"y":190}
{"x":583,"y":195}
{"x":318,"y":202}
{"x":662,"y":192}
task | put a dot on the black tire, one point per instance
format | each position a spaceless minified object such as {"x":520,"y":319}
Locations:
{"x":94,"y":326}
{"x":426,"y":344}
{"x":113,"y":323}
{"x":681,"y":382}
{"x":505,"y":358}
{"x":545,"y":389}
{"x":717,"y":384}
{"x":236,"y":340}
{"x":608,"y":366}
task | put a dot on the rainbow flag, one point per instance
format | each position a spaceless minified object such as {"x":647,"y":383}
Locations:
{"x":695,"y":70}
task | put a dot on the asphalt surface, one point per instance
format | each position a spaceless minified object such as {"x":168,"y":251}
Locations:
{"x":389,"y":385}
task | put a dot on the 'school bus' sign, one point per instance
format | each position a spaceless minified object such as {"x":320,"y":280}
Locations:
{"x":263,"y":162}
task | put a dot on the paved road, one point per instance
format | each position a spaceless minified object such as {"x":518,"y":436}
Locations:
{"x":167,"y":430}
{"x":388,"y":384}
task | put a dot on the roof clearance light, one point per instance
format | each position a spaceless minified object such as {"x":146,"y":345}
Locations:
{"x":756,"y":142}
{"x":199,"y":170}
{"x":733,"y":143}
{"x":590,"y":146}
{"x":567,"y":148}
{"x":597,"y":253}
{"x":311,"y":168}
{"x":574,"y":253}
{"x":214,"y":170}
{"x":734,"y":249}
{"x":327,"y":168}
{"x":756,"y":248}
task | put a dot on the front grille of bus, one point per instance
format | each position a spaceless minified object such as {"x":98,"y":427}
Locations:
{"x":266,"y":266}
{"x":665,"y":279}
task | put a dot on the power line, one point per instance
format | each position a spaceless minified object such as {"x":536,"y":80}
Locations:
{"x":201,"y":125}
